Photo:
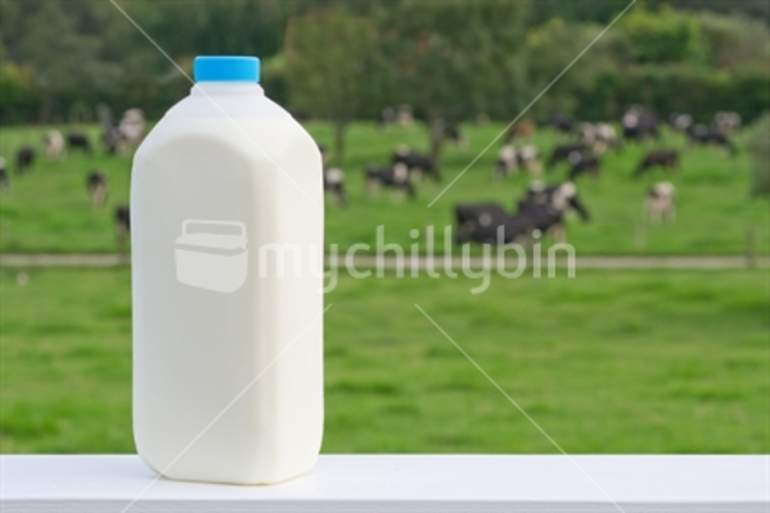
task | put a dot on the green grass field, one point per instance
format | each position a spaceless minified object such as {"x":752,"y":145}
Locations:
{"x":48,"y":209}
{"x":608,"y":362}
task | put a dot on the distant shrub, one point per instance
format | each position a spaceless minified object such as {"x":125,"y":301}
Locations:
{"x":676,"y":88}
{"x":663,"y":36}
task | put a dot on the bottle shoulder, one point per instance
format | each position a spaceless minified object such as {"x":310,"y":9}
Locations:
{"x":260,"y":132}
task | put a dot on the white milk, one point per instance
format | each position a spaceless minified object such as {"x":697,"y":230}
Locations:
{"x":227,"y":243}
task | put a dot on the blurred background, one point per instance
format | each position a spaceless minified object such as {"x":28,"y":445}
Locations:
{"x":653,"y":146}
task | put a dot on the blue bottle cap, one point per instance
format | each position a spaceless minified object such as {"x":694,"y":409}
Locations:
{"x":226,"y":68}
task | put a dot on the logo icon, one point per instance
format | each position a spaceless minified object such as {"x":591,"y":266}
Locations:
{"x":213,"y":261}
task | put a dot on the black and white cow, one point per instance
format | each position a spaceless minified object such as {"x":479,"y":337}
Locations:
{"x":451,"y":132}
{"x":680,"y":122}
{"x":562,"y":123}
{"x":563,"y":151}
{"x":509,"y":159}
{"x":540,"y":212}
{"x":640,"y":123}
{"x":402,"y":115}
{"x":507,"y":162}
{"x":660,"y":203}
{"x":96,"y":185}
{"x":416,"y":163}
{"x":125,"y":135}
{"x":561,"y":197}
{"x":25,"y":157}
{"x":395,"y":176}
{"x":599,"y":137}
{"x":668,"y":159}
{"x":334,"y":185}
{"x":547,"y":206}
{"x":710,"y":136}
{"x":79,"y":141}
{"x":583,"y":163}
{"x":490,"y":224}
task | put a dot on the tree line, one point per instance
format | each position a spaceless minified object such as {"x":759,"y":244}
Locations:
{"x":344,"y":60}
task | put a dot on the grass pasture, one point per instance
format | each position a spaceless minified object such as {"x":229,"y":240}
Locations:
{"x":609,"y":362}
{"x":48,"y":209}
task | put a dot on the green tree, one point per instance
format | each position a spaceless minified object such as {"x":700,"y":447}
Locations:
{"x":453,"y":59}
{"x":663,"y":35}
{"x":326,"y":66}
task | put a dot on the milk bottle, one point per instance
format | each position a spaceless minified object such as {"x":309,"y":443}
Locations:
{"x":227,"y":242}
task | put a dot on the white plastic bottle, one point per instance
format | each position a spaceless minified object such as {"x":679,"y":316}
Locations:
{"x":227,"y":284}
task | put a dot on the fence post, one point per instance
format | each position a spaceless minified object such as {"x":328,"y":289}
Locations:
{"x":751,"y":246}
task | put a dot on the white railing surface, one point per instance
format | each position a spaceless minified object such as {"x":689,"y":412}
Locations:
{"x":403,"y":483}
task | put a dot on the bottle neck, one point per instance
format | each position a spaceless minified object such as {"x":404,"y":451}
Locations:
{"x":226,"y":88}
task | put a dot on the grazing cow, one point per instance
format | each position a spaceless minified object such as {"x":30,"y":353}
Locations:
{"x":79,"y":141}
{"x":509,"y":159}
{"x":563,"y":151}
{"x":24,"y":158}
{"x":53,"y":142}
{"x":561,"y":123}
{"x":727,"y":122}
{"x":451,"y":132}
{"x":660,"y":158}
{"x":546,"y":206}
{"x":132,"y":126}
{"x":529,"y":157}
{"x":5,"y":183}
{"x":507,"y":162}
{"x":127,"y":134}
{"x":490,"y":224}
{"x":661,"y":202}
{"x":705,"y":135}
{"x":543,"y":220}
{"x":522,"y":129}
{"x":640,"y":123}
{"x":395,"y":176}
{"x":113,"y":139}
{"x":122,"y":226}
{"x":599,"y":137}
{"x":96,"y":184}
{"x":403,"y":115}
{"x":541,"y":210}
{"x":561,"y":197}
{"x":680,"y":122}
{"x":583,"y":163}
{"x":416,"y":162}
{"x":473,"y":212}
{"x":334,"y":184}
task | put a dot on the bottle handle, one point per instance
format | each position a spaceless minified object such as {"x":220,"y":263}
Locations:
{"x":238,"y":224}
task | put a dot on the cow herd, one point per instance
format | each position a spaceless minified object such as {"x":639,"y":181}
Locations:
{"x":117,"y":138}
{"x":544,"y":206}
{"x":541,"y":210}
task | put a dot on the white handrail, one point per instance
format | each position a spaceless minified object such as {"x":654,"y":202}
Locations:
{"x":403,"y":483}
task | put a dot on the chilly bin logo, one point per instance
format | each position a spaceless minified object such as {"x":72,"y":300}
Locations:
{"x":209,"y":259}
